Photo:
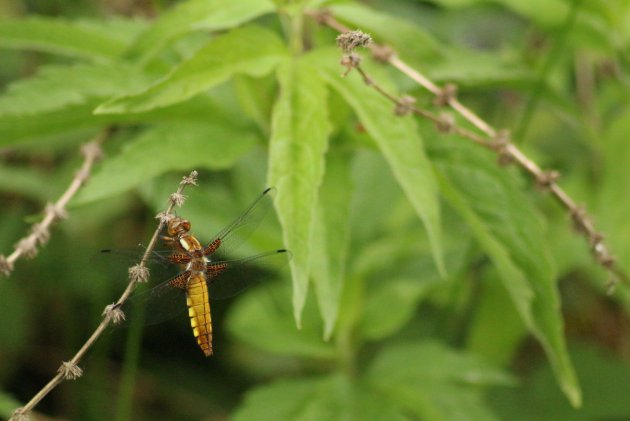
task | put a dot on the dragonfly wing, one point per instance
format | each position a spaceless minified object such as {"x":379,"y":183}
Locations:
{"x":229,"y":277}
{"x":159,"y":303}
{"x":242,"y":227}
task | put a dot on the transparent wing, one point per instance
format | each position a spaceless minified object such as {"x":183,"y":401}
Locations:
{"x":242,"y":227}
{"x":158,"y":304}
{"x":225,"y":279}
{"x":229,"y":277}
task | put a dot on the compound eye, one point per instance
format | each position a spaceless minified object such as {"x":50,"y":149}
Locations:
{"x":185,"y":225}
{"x":173,"y":226}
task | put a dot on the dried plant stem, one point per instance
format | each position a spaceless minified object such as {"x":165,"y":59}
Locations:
{"x":495,"y":140}
{"x":40,"y":232}
{"x":139,"y":273}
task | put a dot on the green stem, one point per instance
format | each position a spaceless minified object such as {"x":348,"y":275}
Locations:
{"x":124,"y":402}
{"x":349,"y":318}
{"x":551,"y":60}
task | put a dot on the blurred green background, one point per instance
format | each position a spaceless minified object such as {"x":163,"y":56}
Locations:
{"x":407,"y":344}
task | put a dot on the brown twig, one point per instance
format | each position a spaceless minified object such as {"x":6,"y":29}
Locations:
{"x":40,"y":231}
{"x":70,"y":370}
{"x":495,"y":140}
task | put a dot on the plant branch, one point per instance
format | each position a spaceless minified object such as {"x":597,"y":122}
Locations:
{"x":112,"y":314}
{"x":40,"y":232}
{"x":496,"y":140}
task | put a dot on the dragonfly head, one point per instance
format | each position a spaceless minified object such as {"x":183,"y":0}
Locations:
{"x":177,"y":226}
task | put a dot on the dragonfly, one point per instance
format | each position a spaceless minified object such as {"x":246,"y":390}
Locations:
{"x":205,"y":271}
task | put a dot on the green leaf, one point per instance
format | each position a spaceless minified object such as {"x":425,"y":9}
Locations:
{"x":25,"y":182}
{"x":613,"y":198}
{"x":76,"y":119}
{"x":399,"y":296}
{"x":497,"y":330}
{"x":166,"y":148}
{"x":398,"y":140}
{"x":325,"y":398}
{"x":604,"y":378}
{"x":299,"y":139}
{"x":14,"y":332}
{"x":508,"y":228}
{"x":544,"y":12}
{"x":435,"y":382}
{"x":197,"y":15}
{"x":57,"y":36}
{"x":331,"y":237}
{"x":88,"y":81}
{"x":60,"y":126}
{"x":8,"y":404}
{"x":262,"y":319}
{"x":249,"y":50}
{"x":407,"y":37}
{"x":256,"y":98}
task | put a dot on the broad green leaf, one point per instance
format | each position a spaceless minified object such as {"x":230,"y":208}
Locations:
{"x":25,"y":182}
{"x":8,"y":404}
{"x":331,"y":237}
{"x":613,"y":197}
{"x":21,"y":129}
{"x":375,"y":191}
{"x":388,"y":305}
{"x":398,"y":140}
{"x":197,"y":15}
{"x":324,"y":398}
{"x":604,"y":378}
{"x":58,"y":36}
{"x":263,"y":319}
{"x":435,"y":382}
{"x":544,"y":12}
{"x":497,"y":329}
{"x":89,"y":81}
{"x":256,"y":97}
{"x":183,"y":146}
{"x":59,"y":125}
{"x":409,"y":39}
{"x":508,"y":228}
{"x":299,"y":140}
{"x":249,"y":50}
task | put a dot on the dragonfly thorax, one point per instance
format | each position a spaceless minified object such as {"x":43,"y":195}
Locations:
{"x":190,"y":243}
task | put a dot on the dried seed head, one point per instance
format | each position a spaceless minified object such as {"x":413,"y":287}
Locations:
{"x":190,"y":180}
{"x":547,"y":178}
{"x":611,"y":285}
{"x":92,"y":150}
{"x":447,"y":94}
{"x":350,"y":40}
{"x":56,"y":211}
{"x":164,"y":217}
{"x":28,"y":246}
{"x":139,"y":273}
{"x":6,"y":267}
{"x":20,"y":415}
{"x":114,"y":313}
{"x":500,"y":143}
{"x":405,"y":105}
{"x":349,"y":61}
{"x":177,"y":199}
{"x":70,"y":371}
{"x":445,"y":123}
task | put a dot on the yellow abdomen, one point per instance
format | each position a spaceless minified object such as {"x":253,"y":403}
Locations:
{"x":199,"y":311}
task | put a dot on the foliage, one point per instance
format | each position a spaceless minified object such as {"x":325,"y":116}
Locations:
{"x":423,"y":274}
